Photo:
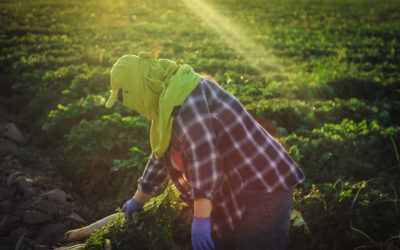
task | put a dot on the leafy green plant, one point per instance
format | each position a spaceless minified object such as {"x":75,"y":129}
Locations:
{"x":95,"y":145}
{"x":344,"y":149}
{"x":136,"y":160}
{"x":60,"y":120}
{"x":158,"y":226}
{"x":112,"y":135}
{"x":364,"y":207}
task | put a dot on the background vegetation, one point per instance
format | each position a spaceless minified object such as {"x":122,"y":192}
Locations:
{"x":322,"y":76}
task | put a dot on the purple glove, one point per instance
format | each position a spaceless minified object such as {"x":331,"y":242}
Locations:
{"x":201,"y":234}
{"x":132,"y":206}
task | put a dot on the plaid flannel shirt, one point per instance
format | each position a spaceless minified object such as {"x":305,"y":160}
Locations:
{"x":224,"y":152}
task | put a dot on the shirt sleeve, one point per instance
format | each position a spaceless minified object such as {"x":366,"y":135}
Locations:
{"x":201,"y":157}
{"x":155,"y":176}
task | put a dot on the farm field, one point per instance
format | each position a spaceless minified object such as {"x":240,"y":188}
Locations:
{"x":323,"y":77}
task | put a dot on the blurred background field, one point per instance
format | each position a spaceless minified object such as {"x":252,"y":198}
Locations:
{"x":321,"y":76}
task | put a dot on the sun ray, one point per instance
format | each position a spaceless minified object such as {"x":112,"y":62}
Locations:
{"x":235,"y":36}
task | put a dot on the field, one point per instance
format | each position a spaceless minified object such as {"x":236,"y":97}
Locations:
{"x":322,"y":76}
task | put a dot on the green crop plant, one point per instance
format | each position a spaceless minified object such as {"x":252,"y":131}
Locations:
{"x":363,"y":206}
{"x":157,"y":226}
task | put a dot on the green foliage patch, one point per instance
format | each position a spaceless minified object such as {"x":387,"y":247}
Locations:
{"x":322,"y":77}
{"x":157,"y":226}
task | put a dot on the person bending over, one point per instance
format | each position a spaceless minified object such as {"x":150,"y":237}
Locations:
{"x":236,"y":176}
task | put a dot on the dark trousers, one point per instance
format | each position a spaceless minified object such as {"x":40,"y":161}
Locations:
{"x":265,"y":224}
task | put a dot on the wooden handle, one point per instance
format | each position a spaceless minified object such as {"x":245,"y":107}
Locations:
{"x":84,"y":232}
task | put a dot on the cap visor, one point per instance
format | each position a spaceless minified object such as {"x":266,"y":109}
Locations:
{"x":112,"y":99}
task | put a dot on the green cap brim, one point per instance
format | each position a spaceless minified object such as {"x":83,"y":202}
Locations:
{"x":112,"y":99}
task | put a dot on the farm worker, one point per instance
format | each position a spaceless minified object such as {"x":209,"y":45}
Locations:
{"x":237,"y":177}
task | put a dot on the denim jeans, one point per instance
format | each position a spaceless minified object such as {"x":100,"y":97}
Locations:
{"x":265,"y":224}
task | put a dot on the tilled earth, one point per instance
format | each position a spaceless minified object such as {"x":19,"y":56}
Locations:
{"x":35,"y":203}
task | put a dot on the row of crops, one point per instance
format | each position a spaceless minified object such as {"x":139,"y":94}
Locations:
{"x":323,"y":78}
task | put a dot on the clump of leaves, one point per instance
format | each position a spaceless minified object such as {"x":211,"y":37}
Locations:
{"x":345,"y":150}
{"x":93,"y":147}
{"x":157,"y":226}
{"x":60,"y":120}
{"x":356,"y":209}
{"x":107,"y":138}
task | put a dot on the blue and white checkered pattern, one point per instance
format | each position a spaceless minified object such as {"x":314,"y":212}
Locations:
{"x":224,"y":152}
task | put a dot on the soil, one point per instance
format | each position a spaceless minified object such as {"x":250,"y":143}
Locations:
{"x":36,"y":204}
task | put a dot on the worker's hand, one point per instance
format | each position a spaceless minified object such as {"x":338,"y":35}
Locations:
{"x":132,"y":206}
{"x":201,"y":234}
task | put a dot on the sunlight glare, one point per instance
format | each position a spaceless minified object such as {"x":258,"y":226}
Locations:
{"x":234,"y":36}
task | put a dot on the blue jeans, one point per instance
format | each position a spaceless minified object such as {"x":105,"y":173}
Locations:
{"x":265,"y":224}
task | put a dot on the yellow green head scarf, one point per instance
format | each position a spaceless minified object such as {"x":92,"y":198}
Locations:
{"x":152,"y":87}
